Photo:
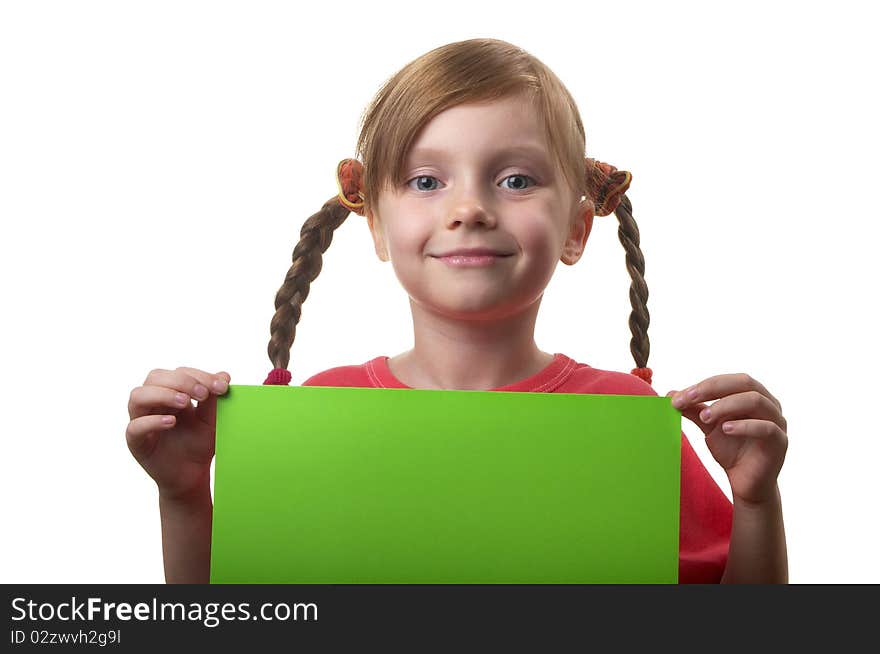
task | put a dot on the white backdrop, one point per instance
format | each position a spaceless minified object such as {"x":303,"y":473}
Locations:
{"x":157,"y":160}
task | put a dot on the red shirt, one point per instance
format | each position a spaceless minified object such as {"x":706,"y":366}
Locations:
{"x":706,"y":513}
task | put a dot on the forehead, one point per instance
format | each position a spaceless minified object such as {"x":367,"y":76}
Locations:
{"x":510,"y":124}
{"x":526,"y":149}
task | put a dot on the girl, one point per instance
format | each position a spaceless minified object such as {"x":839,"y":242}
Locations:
{"x":474,"y":186}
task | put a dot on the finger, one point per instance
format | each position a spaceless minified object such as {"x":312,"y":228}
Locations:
{"x":751,"y":404}
{"x":718,"y":386}
{"x":206,"y":411}
{"x":692,"y":413}
{"x":197,"y":383}
{"x":142,"y":434}
{"x":693,"y":410}
{"x":763,"y":430}
{"x":146,"y":400}
{"x":209,"y":380}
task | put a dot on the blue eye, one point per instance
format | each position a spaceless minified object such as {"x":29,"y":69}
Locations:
{"x":518,"y":188}
{"x":415,"y":179}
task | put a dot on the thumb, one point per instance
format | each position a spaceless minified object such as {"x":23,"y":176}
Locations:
{"x":206,"y":411}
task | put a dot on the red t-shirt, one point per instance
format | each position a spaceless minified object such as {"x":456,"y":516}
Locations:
{"x":706,"y":513}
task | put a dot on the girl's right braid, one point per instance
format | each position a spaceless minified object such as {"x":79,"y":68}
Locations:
{"x":315,"y":237}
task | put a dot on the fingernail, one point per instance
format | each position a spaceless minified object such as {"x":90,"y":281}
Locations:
{"x":705,"y":415}
{"x":219,"y":385}
{"x":181,"y":399}
{"x":678,"y":400}
{"x":692,"y":393}
{"x":200,"y":392}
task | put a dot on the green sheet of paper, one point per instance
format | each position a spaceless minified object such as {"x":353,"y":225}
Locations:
{"x":336,"y":485}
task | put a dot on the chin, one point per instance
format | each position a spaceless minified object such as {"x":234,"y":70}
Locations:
{"x":473,"y":309}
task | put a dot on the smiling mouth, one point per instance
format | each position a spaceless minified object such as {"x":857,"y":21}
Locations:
{"x":471,"y":260}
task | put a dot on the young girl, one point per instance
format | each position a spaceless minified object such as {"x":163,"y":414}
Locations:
{"x":474,"y":185}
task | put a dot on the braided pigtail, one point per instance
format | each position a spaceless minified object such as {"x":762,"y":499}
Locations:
{"x":639,"y":318}
{"x":315,"y":237}
{"x":606,"y":186}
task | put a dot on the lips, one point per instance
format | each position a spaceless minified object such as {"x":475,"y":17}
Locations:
{"x":474,"y":252}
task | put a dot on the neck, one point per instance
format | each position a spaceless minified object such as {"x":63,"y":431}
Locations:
{"x":470,"y":355}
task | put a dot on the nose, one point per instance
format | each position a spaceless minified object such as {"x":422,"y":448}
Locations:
{"x":469,"y":210}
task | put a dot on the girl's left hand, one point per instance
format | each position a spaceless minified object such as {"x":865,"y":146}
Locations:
{"x":752,"y":450}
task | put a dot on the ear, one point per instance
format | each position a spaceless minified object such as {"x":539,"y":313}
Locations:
{"x":581,"y":225}
{"x":378,"y":237}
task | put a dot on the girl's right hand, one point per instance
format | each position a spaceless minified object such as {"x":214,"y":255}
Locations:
{"x":177,"y":455}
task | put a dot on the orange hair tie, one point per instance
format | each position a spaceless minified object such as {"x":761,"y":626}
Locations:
{"x":349,"y":181}
{"x":606,"y":185}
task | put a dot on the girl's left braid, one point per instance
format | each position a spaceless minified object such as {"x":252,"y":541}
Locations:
{"x":639,"y":318}
{"x":606,"y":186}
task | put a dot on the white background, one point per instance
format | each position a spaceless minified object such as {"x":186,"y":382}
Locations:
{"x":157,"y":160}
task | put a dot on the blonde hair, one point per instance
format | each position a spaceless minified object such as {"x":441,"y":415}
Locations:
{"x":472,"y":71}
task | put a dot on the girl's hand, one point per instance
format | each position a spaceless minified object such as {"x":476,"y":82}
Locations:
{"x":752,"y":450}
{"x":177,"y":455}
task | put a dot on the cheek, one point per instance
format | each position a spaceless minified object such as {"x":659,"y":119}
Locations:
{"x":539,"y":241}
{"x":407,"y":239}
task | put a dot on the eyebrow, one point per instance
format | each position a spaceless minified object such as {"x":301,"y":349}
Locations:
{"x":530,"y":149}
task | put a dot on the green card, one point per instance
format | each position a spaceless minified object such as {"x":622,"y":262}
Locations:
{"x":330,"y":485}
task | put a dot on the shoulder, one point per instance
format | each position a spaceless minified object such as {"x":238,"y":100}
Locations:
{"x":586,"y":379}
{"x":355,"y":375}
